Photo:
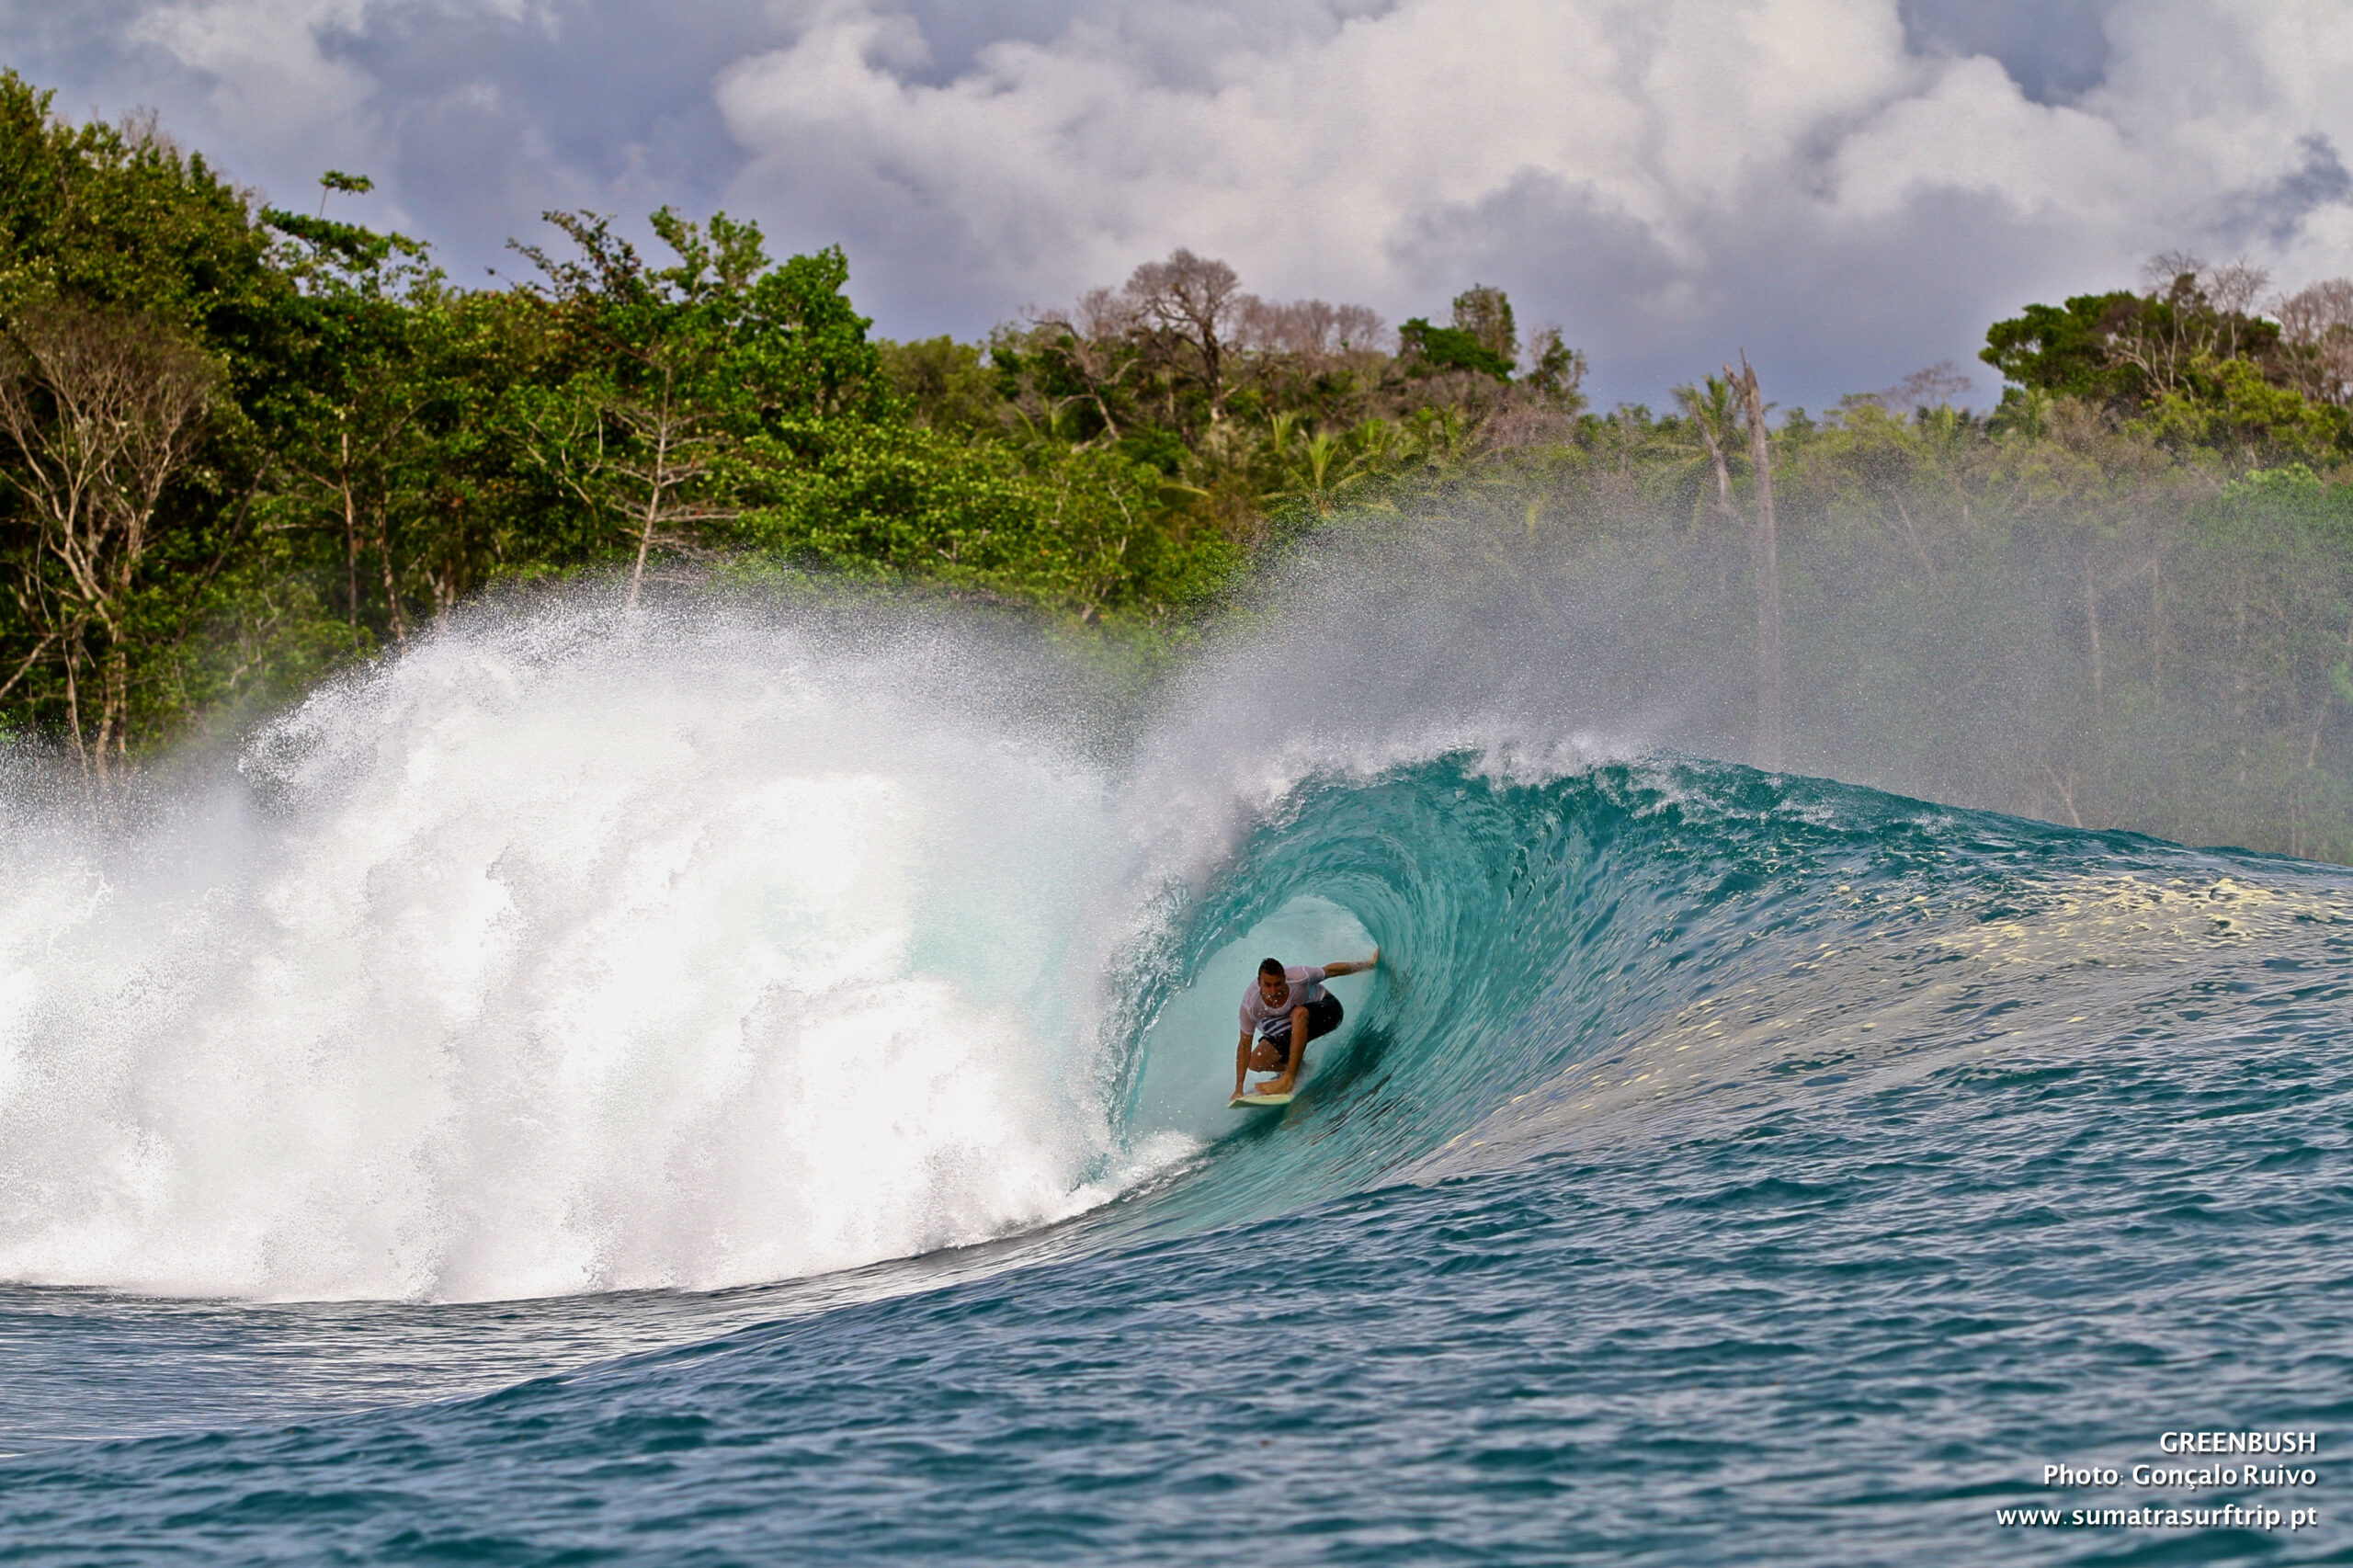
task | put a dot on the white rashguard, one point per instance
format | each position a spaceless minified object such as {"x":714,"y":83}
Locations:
{"x":1306,"y":983}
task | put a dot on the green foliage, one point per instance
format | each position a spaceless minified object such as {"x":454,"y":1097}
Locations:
{"x":1430,"y":351}
{"x":2156,"y":514}
{"x":1075,"y":529}
{"x":379,"y":445}
{"x":118,"y":216}
{"x":1558,"y":371}
{"x":2065,"y":351}
{"x":944,"y":385}
{"x":2186,"y":364}
{"x":2227,"y":406}
{"x":1486,"y":314}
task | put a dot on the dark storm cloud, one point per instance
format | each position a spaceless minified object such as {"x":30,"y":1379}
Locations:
{"x":2054,"y":50}
{"x":2279,"y":210}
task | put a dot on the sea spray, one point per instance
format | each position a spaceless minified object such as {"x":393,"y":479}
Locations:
{"x":562,"y":956}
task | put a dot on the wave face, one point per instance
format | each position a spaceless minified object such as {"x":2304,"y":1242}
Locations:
{"x":1672,"y":945}
{"x":828,"y":1034}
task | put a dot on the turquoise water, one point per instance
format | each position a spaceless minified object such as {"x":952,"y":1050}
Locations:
{"x":1722,"y":1168}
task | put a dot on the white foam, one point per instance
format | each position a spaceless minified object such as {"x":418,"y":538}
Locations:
{"x":552,"y":959}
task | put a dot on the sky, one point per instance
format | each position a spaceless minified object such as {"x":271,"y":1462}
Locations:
{"x":1846,"y":191}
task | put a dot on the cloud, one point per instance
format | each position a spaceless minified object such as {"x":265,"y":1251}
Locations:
{"x":1846,"y":188}
{"x":472,"y":115}
{"x":1836,"y":184}
{"x":2054,"y":50}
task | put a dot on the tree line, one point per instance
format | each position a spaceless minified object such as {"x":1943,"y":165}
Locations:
{"x":241,"y":447}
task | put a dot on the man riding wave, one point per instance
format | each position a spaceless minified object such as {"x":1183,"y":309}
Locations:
{"x":1284,"y":1009}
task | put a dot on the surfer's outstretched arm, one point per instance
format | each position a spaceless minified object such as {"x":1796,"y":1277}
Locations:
{"x":1240,"y":1064}
{"x":1348,"y":967}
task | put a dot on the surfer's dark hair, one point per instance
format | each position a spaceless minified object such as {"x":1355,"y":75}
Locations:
{"x":1271,"y":966}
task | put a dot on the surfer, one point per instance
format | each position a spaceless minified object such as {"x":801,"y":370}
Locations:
{"x":1285,"y":1008}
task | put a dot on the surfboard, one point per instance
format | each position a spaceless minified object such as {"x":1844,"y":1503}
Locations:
{"x":1238,"y":1101}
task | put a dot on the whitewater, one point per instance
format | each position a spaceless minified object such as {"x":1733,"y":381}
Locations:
{"x":743,"y":1080}
{"x":552,"y":960}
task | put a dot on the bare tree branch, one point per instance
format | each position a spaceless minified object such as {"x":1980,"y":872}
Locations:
{"x":103,"y":409}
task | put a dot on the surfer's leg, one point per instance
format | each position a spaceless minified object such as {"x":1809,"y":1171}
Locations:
{"x":1324,"y":1016}
{"x":1269,"y":1055}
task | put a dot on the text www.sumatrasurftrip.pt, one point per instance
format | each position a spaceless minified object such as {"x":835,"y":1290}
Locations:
{"x":2244,"y":1461}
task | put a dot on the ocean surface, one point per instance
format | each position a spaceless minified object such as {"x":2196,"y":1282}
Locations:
{"x":735,"y":1094}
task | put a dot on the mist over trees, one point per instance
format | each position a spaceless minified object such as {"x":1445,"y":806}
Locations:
{"x":242,"y":447}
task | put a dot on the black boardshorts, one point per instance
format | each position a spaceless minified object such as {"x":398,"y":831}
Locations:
{"x":1323,"y":1018}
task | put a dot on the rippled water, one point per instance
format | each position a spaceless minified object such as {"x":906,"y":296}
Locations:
{"x":1719,"y":1169}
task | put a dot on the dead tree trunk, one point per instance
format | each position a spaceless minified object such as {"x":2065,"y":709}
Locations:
{"x":1768,"y":572}
{"x":351,"y":530}
{"x":391,"y":582}
{"x":2091,"y":612}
